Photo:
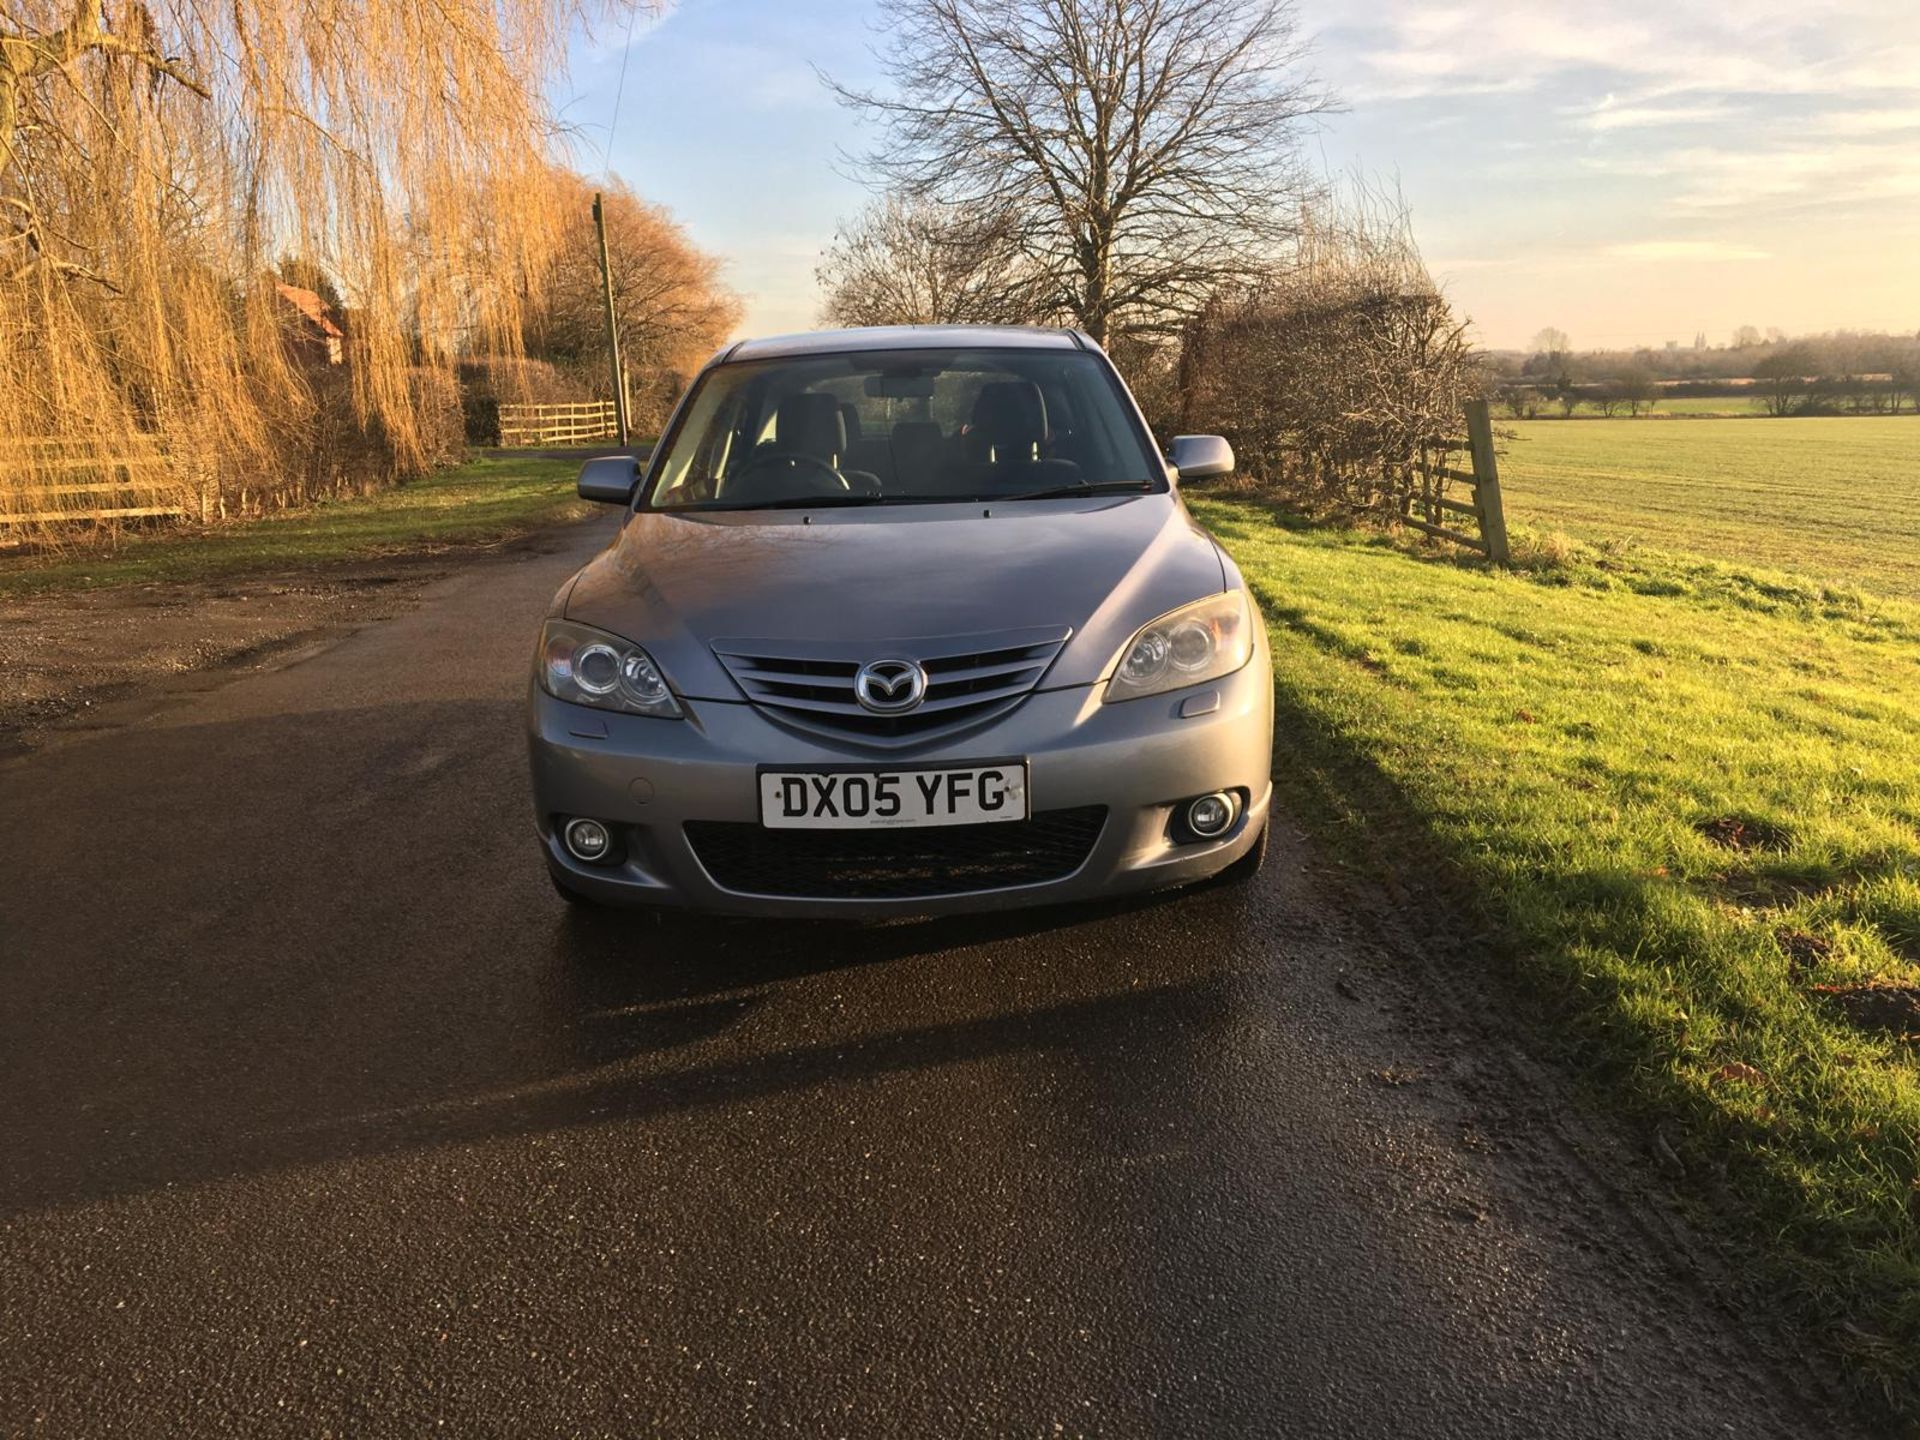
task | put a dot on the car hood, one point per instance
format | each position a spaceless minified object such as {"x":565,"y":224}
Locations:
{"x":676,"y":583}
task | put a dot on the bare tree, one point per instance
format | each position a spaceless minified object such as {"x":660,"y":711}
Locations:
{"x":1551,"y":342}
{"x":1637,"y":388}
{"x":1147,"y":148}
{"x":1906,"y":381}
{"x":1340,"y":375}
{"x":1783,"y":380}
{"x":1566,"y":395}
{"x":1522,"y":401}
{"x":917,"y":262}
{"x":668,"y":300}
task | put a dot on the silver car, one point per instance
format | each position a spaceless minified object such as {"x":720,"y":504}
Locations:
{"x":901,"y":621}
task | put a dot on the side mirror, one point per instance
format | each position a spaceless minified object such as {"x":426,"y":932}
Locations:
{"x":610,"y":479}
{"x":1201,"y":457}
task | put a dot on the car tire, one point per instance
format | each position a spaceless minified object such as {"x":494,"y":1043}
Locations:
{"x":1248,"y":865}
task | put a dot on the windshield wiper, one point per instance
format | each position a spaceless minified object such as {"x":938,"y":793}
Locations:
{"x":1061,"y":492}
{"x":805,"y":502}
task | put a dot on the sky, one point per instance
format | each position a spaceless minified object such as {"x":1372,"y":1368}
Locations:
{"x":1631,"y":173}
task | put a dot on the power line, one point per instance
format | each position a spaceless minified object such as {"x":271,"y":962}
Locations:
{"x":626,"y":53}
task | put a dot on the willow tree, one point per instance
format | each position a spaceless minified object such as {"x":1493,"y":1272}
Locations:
{"x":155,"y":161}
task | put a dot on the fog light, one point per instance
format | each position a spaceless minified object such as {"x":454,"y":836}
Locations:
{"x":587,"y":840}
{"x":1211,"y":815}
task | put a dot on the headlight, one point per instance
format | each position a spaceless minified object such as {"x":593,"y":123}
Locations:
{"x":1201,"y":641}
{"x":591,"y":667}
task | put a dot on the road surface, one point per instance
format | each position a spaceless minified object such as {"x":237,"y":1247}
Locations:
{"x":322,"y":1116}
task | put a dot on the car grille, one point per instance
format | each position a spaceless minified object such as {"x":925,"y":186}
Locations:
{"x":895,"y":864}
{"x":971,"y":679}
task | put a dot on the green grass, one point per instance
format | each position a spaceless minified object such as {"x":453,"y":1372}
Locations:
{"x":479,"y":503}
{"x":1834,"y":498}
{"x":1568,"y":751}
{"x":1692,"y":405}
{"x":1675,"y":406}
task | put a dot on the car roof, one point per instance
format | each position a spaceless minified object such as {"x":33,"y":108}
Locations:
{"x":906,"y":337}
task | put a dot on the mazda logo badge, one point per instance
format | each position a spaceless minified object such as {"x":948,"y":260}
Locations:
{"x":889,"y":687}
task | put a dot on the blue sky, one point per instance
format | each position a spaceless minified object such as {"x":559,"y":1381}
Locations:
{"x":1631,"y":173}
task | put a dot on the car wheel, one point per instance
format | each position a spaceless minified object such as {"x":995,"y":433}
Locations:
{"x":1248,"y":865}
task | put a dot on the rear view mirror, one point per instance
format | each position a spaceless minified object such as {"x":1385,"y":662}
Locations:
{"x":1201,"y":457}
{"x":900,"y":386}
{"x":610,"y":479}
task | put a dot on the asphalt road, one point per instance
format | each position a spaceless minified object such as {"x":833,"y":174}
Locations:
{"x":320,"y":1115}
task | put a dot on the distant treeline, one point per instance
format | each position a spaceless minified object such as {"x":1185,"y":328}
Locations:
{"x":1845,"y":372}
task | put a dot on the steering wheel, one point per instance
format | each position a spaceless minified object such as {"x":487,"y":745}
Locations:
{"x":784,"y":475}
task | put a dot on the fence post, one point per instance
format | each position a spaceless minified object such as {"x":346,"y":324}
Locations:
{"x":1486,"y":490}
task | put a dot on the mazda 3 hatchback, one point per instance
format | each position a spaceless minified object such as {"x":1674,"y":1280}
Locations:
{"x":901,"y":621}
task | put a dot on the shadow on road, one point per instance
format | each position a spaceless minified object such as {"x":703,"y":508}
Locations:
{"x":259,"y":966}
{"x":625,"y":1025}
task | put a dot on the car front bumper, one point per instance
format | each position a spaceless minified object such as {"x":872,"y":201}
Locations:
{"x":648,"y":778}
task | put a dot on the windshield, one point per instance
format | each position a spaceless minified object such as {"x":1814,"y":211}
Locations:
{"x":903,"y":426}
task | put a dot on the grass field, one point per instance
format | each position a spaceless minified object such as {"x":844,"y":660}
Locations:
{"x":1683,"y":406}
{"x":479,"y":503}
{"x":1682,"y":802}
{"x":1838,"y":499}
{"x":1688,"y":405}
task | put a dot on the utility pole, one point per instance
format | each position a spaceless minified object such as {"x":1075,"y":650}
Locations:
{"x":613,"y":330}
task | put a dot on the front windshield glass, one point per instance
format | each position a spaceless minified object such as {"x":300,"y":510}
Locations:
{"x":903,"y":426}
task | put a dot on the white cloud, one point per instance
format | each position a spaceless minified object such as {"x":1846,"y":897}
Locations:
{"x":1766,"y":176}
{"x":1414,"y":48}
{"x":1670,"y":250}
{"x":1867,"y":122}
{"x":1675,"y":144}
{"x":1720,"y":107}
{"x":1609,"y":115}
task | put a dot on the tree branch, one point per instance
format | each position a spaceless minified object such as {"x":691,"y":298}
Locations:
{"x":28,"y":57}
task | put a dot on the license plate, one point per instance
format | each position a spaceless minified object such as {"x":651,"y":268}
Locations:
{"x":881,"y":799}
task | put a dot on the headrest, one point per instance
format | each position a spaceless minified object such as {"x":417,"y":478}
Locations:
{"x":1011,"y":416}
{"x":810,"y":424}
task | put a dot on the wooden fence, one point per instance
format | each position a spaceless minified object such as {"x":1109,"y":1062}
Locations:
{"x":123,"y":479}
{"x":1482,"y":482}
{"x":570,"y":424}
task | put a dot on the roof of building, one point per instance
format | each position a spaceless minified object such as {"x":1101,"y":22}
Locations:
{"x":907,"y":337}
{"x":313,"y":307}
